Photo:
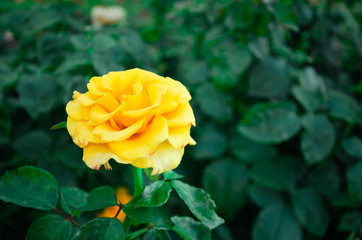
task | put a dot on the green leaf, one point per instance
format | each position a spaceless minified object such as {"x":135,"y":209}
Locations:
{"x":318,"y":138}
{"x":159,"y":216}
{"x":101,"y":228}
{"x":37,"y":93}
{"x":259,"y":47}
{"x":199,"y":202}
{"x":32,"y":144}
{"x":354,"y":177}
{"x":155,"y":194}
{"x":213,"y":103}
{"x":172,"y":175}
{"x":74,"y":197}
{"x":50,"y":227}
{"x":72,"y":62}
{"x":29,"y":187}
{"x":100,"y":197}
{"x":270,"y":122}
{"x":353,"y":147}
{"x":193,"y":72}
{"x":226,"y":181}
{"x":277,"y":222}
{"x":324,"y":179}
{"x":266,"y":75}
{"x":310,"y":211}
{"x":189,"y":229}
{"x":311,"y":100}
{"x":350,"y":221}
{"x":248,"y":151}
{"x":342,"y":106}
{"x":264,"y":197}
{"x":234,"y":60}
{"x":107,"y":60}
{"x":59,"y":125}
{"x":211,"y":143}
{"x":309,"y":79}
{"x":281,"y":174}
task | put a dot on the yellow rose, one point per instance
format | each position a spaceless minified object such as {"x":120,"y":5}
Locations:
{"x":123,"y":197}
{"x":135,"y":117}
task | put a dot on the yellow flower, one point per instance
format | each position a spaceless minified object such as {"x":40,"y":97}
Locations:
{"x":123,"y":197}
{"x":135,"y":117}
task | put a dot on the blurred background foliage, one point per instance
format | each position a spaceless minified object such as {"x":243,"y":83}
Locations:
{"x":276,"y":89}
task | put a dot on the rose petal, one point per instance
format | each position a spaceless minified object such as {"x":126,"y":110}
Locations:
{"x":108,"y":102}
{"x":109,"y":134}
{"x":95,"y":155}
{"x":144,"y":144}
{"x":81,"y":132}
{"x":181,"y":116}
{"x":164,"y":159}
{"x":179,"y":137}
{"x":73,"y":110}
{"x":156,"y":93}
{"x":85,"y":99}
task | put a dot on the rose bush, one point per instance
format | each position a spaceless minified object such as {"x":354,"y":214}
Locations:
{"x":135,"y":117}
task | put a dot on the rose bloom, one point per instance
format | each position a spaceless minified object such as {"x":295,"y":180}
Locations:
{"x":107,"y":15}
{"x":135,"y":117}
{"x":123,"y":197}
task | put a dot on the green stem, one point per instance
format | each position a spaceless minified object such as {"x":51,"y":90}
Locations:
{"x":138,"y":181}
{"x":138,"y":187}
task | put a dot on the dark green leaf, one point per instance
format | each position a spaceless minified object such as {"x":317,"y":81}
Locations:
{"x":29,"y":187}
{"x":310,"y":211}
{"x":172,"y":175}
{"x":280,"y":174}
{"x":270,"y":122}
{"x":211,"y":143}
{"x":353,"y":146}
{"x":276,"y":222}
{"x":101,"y":228}
{"x":311,"y":100}
{"x":248,"y":151}
{"x":264,"y":197}
{"x":266,"y":75}
{"x":342,"y":106}
{"x":100,"y":197}
{"x":199,"y":202}
{"x":50,"y":227}
{"x":32,"y":144}
{"x":73,"y":62}
{"x":213,"y":103}
{"x":59,"y":125}
{"x":259,"y":47}
{"x":155,"y":194}
{"x":310,"y":80}
{"x":37,"y":94}
{"x":318,"y":138}
{"x":74,"y":197}
{"x":159,"y":216}
{"x":354,"y":177}
{"x":225,"y":181}
{"x":350,"y":221}
{"x":324,"y":179}
{"x":189,"y":229}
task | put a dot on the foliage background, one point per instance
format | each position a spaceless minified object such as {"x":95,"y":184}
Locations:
{"x":276,"y":89}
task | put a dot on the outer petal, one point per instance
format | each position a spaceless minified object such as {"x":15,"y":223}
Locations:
{"x":181,"y":116}
{"x":164,"y":159}
{"x":81,"y":133}
{"x":95,"y":155}
{"x":143,"y":145}
{"x":109,"y":134}
{"x":74,"y":111}
{"x":179,"y":137}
